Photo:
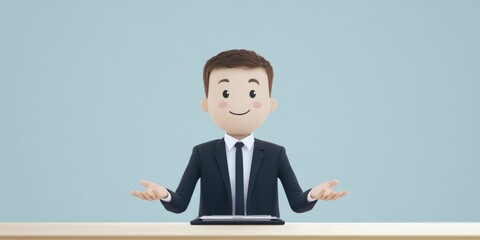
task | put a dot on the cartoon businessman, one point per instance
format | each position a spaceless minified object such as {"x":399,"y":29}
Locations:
{"x":238,"y":173}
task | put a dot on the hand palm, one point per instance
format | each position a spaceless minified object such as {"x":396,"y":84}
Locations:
{"x":152,"y":192}
{"x":324,"y":191}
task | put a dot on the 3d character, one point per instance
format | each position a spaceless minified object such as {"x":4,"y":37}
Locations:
{"x":238,"y":173}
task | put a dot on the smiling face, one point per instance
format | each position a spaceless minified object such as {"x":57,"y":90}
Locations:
{"x":238,"y":99}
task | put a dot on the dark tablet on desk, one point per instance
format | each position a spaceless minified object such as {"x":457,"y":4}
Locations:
{"x":237,"y":220}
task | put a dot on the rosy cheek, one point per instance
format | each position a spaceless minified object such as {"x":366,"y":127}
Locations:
{"x":257,"y":104}
{"x":223,"y":104}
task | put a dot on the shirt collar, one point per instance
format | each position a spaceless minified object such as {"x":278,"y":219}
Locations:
{"x":247,"y":141}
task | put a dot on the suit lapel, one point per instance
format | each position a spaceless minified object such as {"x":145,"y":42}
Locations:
{"x":257,"y":159}
{"x":221,"y":157}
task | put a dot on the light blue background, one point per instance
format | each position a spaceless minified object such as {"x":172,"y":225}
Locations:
{"x":383,"y":95}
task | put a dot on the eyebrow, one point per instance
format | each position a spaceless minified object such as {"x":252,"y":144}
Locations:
{"x":254,"y":80}
{"x":223,"y":80}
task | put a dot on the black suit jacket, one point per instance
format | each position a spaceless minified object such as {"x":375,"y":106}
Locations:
{"x":209,"y":164}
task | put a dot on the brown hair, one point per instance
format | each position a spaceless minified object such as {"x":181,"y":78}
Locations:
{"x":237,"y":58}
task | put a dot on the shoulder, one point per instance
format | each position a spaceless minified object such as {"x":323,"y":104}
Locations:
{"x":206,"y":150}
{"x":210,"y":145}
{"x":272,"y":152}
{"x":268,"y":145}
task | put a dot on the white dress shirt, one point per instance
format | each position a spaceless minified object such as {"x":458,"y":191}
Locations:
{"x":247,"y":153}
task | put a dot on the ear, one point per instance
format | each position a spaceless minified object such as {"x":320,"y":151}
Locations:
{"x":203,"y":104}
{"x":273,"y":104}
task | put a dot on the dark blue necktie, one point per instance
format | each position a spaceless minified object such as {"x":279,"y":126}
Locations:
{"x":239,"y":208}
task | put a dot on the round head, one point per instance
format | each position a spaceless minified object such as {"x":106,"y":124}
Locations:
{"x":238,"y":88}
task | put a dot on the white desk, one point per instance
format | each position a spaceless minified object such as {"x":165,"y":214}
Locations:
{"x":150,"y":231}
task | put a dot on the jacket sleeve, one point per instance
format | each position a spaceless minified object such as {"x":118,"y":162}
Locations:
{"x":181,"y":197}
{"x":297,"y":198}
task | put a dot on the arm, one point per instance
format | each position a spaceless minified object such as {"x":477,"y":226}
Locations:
{"x":296,"y":197}
{"x":182,"y":196}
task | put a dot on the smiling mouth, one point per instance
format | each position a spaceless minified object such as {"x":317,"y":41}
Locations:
{"x":239,"y":114}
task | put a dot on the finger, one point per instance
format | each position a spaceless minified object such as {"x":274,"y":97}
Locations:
{"x":337,"y":195}
{"x":137,"y":194}
{"x":146,"y":196}
{"x":151,"y":194}
{"x":333,"y":183}
{"x":145,"y":183}
{"x":326,"y":193}
{"x":330,"y":196}
{"x":344,"y":193}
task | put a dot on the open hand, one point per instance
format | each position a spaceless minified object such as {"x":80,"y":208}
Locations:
{"x":324,"y":191}
{"x":153,"y":191}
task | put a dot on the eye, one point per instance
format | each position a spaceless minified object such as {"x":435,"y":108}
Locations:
{"x":253,"y":93}
{"x":226,"y":94}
